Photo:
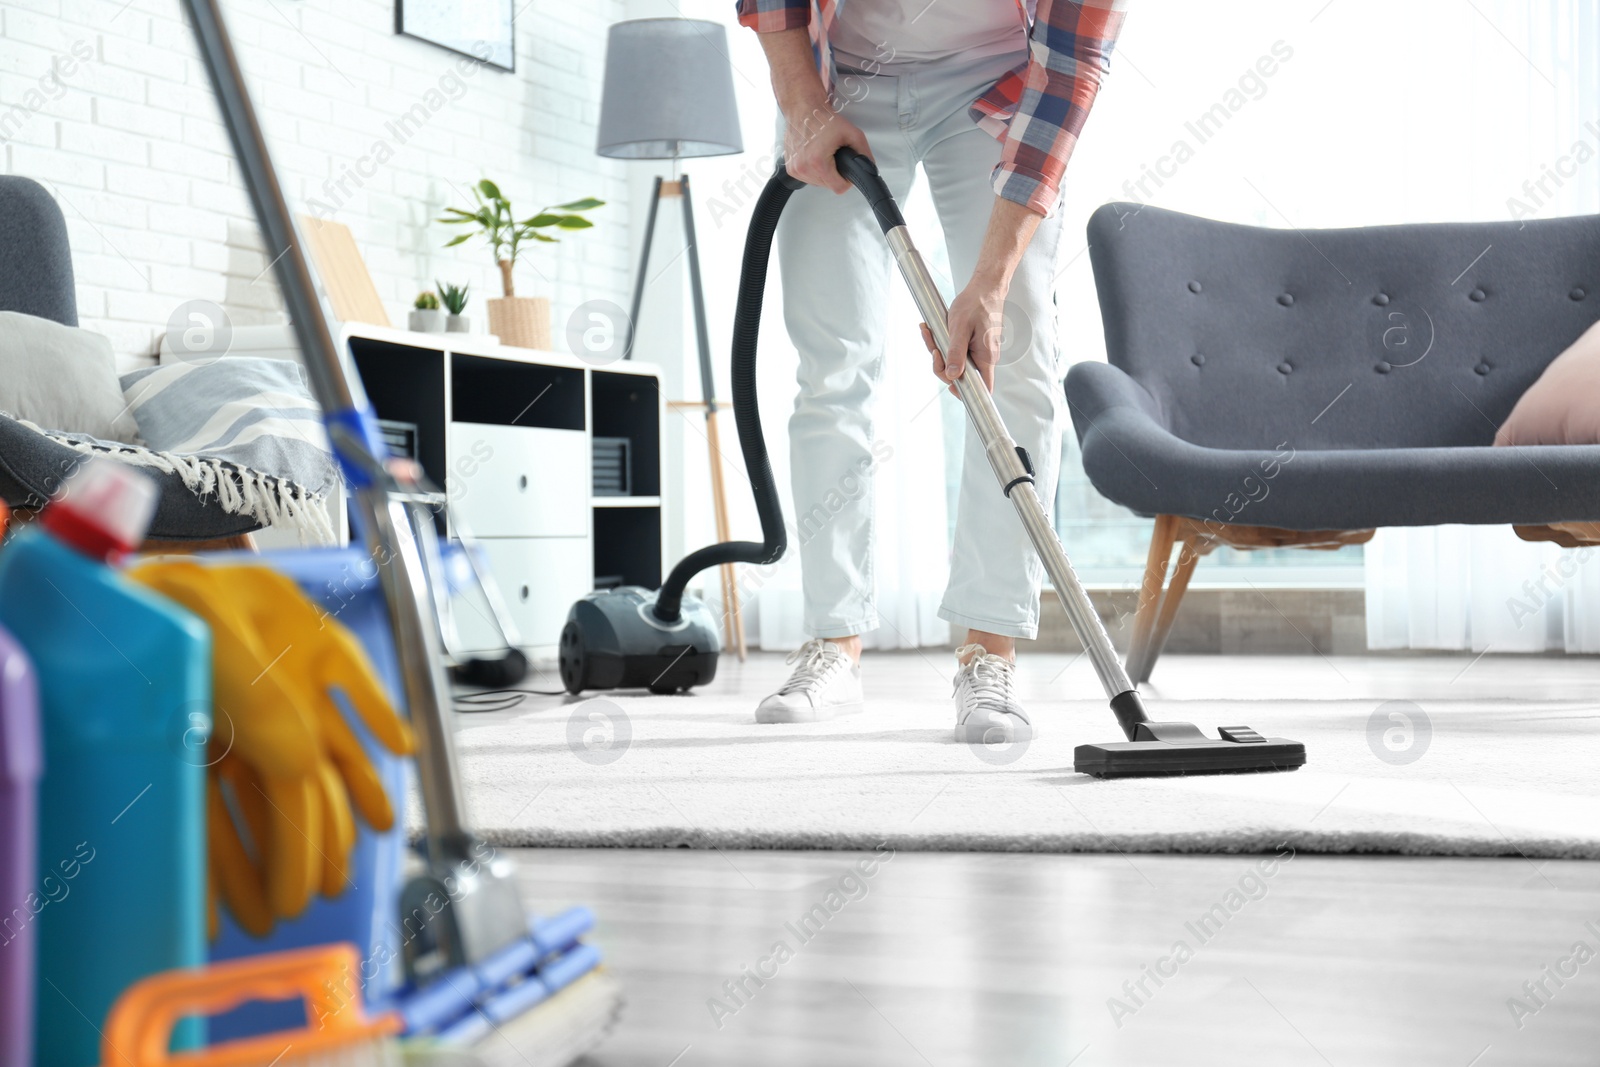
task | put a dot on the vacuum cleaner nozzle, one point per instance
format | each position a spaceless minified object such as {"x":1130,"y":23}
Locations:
{"x":1170,"y":748}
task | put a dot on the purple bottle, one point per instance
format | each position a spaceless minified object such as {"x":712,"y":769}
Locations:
{"x":20,"y":764}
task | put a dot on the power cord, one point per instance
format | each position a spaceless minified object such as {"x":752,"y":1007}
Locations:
{"x":500,"y":699}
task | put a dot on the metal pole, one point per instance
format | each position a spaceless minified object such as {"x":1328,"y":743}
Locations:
{"x":708,"y":385}
{"x":388,"y":532}
{"x":1006,"y":459}
{"x":644,"y":262}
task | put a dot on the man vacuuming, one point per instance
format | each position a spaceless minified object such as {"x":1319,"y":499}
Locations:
{"x":989,"y":97}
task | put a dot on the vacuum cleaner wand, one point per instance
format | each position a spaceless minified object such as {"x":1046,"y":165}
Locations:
{"x":1151,"y":748}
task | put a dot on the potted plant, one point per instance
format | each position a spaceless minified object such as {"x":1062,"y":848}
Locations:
{"x":425,"y":314}
{"x":454,"y":299}
{"x":517,"y":320}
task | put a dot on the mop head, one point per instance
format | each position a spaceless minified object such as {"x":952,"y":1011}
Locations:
{"x":1169,"y":748}
{"x":540,"y":1002}
{"x":557,"y":1032}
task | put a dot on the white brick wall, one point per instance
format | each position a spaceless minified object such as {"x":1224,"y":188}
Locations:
{"x":106,"y":102}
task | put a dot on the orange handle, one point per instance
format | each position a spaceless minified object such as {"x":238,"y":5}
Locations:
{"x":139,"y":1028}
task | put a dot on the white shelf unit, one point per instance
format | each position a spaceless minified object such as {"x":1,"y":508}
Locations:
{"x":509,"y":434}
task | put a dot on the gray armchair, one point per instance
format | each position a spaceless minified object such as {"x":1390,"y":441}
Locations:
{"x":36,"y":279}
{"x":1284,"y":388}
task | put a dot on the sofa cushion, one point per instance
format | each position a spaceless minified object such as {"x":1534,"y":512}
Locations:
{"x":256,"y":413}
{"x":1563,"y":406}
{"x":61,"y":377}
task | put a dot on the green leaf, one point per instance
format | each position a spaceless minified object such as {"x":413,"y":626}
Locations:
{"x":537,"y":236}
{"x":490,"y":189}
{"x":458,"y":222}
{"x":544,"y":218}
{"x":585,"y":204}
{"x":574,"y":222}
{"x":458,"y":240}
{"x":458,"y":211}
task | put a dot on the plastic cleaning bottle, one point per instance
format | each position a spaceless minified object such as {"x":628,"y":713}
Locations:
{"x":124,"y":682}
{"x":20,"y":762}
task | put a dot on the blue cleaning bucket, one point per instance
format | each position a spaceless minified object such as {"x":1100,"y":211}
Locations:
{"x":343,"y":581}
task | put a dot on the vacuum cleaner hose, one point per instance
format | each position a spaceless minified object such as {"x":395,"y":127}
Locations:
{"x":746,"y":410}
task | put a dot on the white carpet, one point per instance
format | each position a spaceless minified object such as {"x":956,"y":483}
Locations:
{"x":1499,"y":776}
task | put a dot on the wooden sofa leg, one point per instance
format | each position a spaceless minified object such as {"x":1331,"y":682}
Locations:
{"x":1187,"y":558}
{"x":1155,"y":576}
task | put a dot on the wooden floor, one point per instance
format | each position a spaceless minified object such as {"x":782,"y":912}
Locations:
{"x":990,"y":959}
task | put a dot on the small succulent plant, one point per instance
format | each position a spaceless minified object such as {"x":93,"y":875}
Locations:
{"x":426,"y":301}
{"x":453,"y":297}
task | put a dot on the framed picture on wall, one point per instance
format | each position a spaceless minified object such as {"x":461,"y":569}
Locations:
{"x":478,"y":28}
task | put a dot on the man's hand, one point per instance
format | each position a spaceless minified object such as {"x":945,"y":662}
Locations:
{"x":975,"y":331}
{"x":813,"y":131}
{"x":976,"y":316}
{"x":810,"y":141}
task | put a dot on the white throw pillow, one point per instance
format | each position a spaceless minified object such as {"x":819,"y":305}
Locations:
{"x":61,"y":378}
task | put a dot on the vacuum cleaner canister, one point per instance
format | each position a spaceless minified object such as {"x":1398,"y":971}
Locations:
{"x":613,"y":640}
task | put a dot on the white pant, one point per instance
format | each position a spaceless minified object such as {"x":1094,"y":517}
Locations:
{"x":836,"y":271}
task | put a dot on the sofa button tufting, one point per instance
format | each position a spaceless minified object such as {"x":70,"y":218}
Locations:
{"x":1194,"y":287}
{"x":1285,"y":367}
{"x":1383,"y":367}
{"x":1382,"y":300}
{"x":1477,"y":296}
{"x":1577,"y":294}
{"x":1198,"y":360}
{"x":1483,"y":368}
{"x":1285,"y":299}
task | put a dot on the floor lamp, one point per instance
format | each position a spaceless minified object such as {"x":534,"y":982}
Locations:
{"x":669,"y":95}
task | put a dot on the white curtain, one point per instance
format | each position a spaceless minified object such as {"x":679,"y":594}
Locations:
{"x":1482,"y":588}
{"x":912,"y":562}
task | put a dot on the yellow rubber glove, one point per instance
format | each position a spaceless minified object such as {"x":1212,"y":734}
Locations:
{"x":281,"y":749}
{"x":315,"y":653}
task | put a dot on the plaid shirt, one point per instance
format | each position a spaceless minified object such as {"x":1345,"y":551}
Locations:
{"x":1036,"y":111}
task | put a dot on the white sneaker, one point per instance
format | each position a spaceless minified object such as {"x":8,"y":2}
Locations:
{"x":826,"y":683}
{"x":987,"y":712}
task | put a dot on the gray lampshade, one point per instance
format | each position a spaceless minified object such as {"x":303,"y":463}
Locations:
{"x":668,"y":91}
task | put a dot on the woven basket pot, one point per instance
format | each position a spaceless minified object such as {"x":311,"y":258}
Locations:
{"x":523,"y":321}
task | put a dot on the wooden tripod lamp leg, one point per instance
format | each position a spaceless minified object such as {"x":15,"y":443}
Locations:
{"x":732,"y":616}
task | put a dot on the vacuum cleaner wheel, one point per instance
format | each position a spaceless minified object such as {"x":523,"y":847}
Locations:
{"x":570,"y":657}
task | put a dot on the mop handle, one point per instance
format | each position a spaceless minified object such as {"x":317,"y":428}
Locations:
{"x":1012,"y":465}
{"x":383,"y":519}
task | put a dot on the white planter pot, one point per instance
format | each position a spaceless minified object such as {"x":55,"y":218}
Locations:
{"x":425,"y":320}
{"x":457,"y":324}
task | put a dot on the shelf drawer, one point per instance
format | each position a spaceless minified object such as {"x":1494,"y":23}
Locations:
{"x":539,"y":578}
{"x":519,"y":481}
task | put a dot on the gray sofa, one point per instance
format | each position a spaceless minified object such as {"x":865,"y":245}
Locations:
{"x":1277,"y":387}
{"x":36,"y":279}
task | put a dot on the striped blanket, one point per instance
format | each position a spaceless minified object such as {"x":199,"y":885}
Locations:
{"x":240,"y":429}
